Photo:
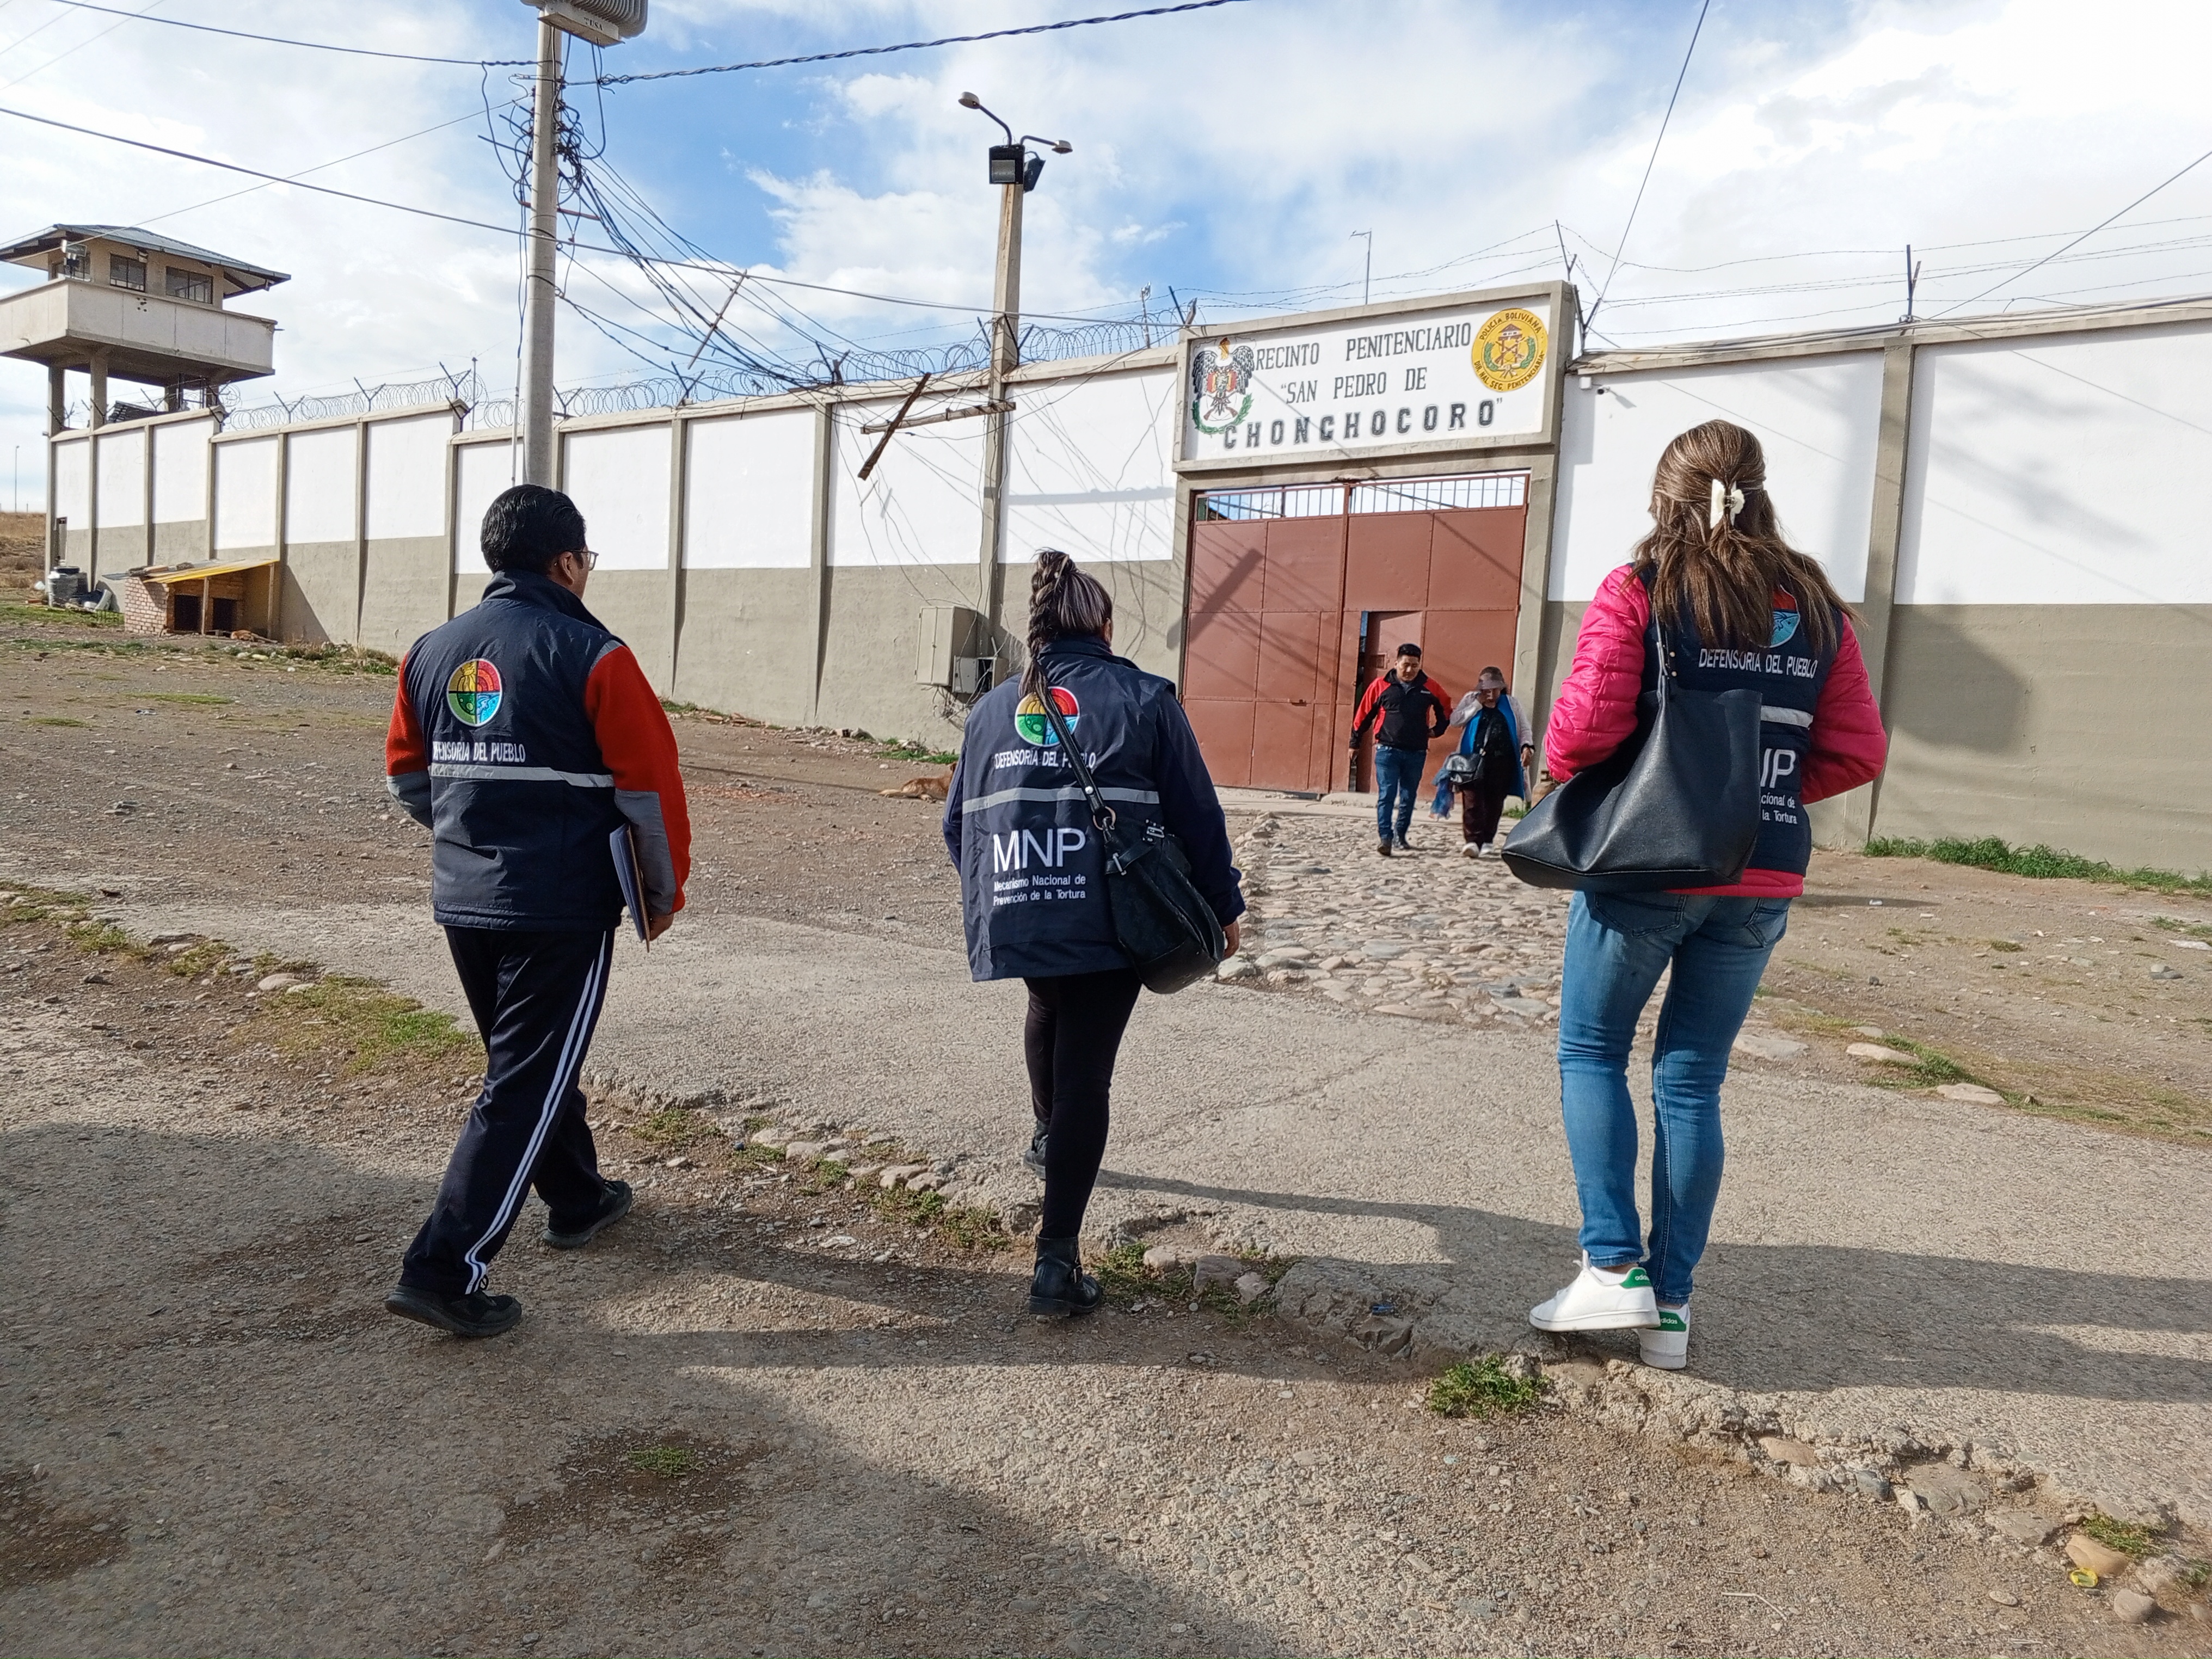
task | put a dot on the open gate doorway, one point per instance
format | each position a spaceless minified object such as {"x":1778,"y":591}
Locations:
{"x":1299,"y":595}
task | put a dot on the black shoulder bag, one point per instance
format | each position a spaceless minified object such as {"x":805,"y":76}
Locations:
{"x":1675,"y":806}
{"x":1160,"y":918}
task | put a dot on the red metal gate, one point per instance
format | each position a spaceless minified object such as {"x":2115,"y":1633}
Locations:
{"x":1284,"y":585}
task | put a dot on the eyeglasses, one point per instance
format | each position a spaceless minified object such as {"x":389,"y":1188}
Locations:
{"x":590,"y":559}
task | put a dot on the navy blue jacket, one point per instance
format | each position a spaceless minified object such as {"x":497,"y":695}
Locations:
{"x":1019,"y":829}
{"x":523,"y":733}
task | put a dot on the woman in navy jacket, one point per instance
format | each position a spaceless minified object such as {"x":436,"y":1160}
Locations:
{"x":1032,"y":876}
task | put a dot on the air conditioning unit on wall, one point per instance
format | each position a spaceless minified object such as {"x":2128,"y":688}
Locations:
{"x":950,"y":641}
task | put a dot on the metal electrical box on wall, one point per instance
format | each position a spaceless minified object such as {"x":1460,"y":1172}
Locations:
{"x":943,"y":635}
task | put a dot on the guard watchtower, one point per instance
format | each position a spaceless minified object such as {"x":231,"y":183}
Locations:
{"x":128,"y":304}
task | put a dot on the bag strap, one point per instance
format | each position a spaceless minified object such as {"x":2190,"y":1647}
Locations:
{"x":1102,"y":815}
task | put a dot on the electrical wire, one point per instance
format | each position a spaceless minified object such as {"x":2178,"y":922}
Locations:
{"x":2078,"y":240}
{"x":912,"y":45}
{"x":68,"y":51}
{"x":1613,"y":270}
{"x":281,"y":40}
{"x":503,"y":230}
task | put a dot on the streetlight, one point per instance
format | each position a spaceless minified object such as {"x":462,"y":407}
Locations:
{"x":604,"y":23}
{"x":1014,"y":168}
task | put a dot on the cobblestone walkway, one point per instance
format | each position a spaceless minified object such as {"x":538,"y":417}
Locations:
{"x":1426,"y":935}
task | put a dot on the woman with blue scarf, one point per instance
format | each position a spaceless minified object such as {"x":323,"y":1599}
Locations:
{"x":1491,"y":764}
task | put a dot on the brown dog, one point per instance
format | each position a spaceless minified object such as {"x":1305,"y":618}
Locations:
{"x":919,"y":789}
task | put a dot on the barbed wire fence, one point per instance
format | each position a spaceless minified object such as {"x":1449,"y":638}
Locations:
{"x":484,"y":412}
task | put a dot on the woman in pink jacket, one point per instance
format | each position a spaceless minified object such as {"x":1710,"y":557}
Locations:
{"x":1739,"y":607}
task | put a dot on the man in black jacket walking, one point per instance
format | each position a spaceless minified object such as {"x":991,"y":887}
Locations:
{"x":1412,"y":710}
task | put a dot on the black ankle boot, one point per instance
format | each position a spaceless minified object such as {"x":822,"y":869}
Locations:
{"x":1060,"y":1288}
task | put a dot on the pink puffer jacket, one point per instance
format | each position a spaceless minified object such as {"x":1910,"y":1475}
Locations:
{"x":1595,"y":712}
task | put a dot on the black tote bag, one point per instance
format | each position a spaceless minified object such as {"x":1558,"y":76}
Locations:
{"x":1675,"y":806}
{"x":1160,"y":918}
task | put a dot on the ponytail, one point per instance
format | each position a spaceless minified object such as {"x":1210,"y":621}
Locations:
{"x":1716,"y":550}
{"x":1064,"y":603}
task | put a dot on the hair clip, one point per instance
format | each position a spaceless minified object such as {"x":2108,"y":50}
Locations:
{"x":1727,"y":499}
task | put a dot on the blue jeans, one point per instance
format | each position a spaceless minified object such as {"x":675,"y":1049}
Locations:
{"x":1397,"y":783}
{"x":1617,"y":946}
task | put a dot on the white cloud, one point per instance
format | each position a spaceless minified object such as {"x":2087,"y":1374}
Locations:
{"x":1232,"y":151}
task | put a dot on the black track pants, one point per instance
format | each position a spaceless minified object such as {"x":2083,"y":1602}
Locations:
{"x":536,"y":998}
{"x":1070,"y":1040}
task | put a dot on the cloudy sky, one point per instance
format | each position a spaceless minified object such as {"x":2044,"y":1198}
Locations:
{"x":1228,"y":155}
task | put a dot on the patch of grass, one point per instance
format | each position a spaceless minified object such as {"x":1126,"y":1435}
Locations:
{"x":1120,"y":1273}
{"x":371,"y":1026}
{"x":56,"y":719}
{"x":201,"y":699}
{"x":1483,"y":1388}
{"x":2175,"y":924}
{"x":664,"y":1463}
{"x":2119,"y":1535}
{"x":202,"y":958}
{"x":754,"y":1158}
{"x":2005,"y":945}
{"x":917,"y":752}
{"x":673,"y":1126}
{"x":60,"y":615}
{"x":2038,"y":862}
{"x":1931,"y":1068}
{"x":962,"y":1226}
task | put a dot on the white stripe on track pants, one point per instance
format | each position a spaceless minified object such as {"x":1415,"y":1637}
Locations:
{"x":537,"y":998}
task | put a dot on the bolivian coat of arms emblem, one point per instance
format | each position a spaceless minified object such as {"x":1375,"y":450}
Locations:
{"x":1220,"y":386}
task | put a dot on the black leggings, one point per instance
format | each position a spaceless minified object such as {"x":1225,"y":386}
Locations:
{"x":1072,"y":1033}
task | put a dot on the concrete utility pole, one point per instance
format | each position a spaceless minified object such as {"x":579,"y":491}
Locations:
{"x":536,"y":412}
{"x":1015,"y":170}
{"x":604,"y":23}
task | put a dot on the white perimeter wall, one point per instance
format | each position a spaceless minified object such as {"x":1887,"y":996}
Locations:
{"x":922,"y":504}
{"x":618,"y":479}
{"x":122,"y":479}
{"x":181,"y":475}
{"x":318,"y":503}
{"x":246,"y":493}
{"x":1817,"y":417}
{"x":73,"y":483}
{"x":749,"y":492}
{"x":2069,"y":471}
{"x":1091,"y":468}
{"x":407,"y":477}
{"x":480,"y":471}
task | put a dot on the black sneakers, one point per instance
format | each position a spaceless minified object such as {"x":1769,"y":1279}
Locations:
{"x":1405,"y":845}
{"x":473,"y":1315}
{"x":1035,"y":1157}
{"x":612,"y":1209}
{"x":1384,"y":847}
{"x":1059,"y":1289}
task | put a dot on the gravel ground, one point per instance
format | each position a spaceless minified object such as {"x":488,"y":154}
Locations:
{"x":235,"y":1309}
{"x":758,"y":1418}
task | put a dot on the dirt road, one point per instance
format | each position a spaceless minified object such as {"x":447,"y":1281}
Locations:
{"x":772,"y":1412}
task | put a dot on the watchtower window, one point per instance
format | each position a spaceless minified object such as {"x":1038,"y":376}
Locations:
{"x":189,"y":285}
{"x":125,"y":272}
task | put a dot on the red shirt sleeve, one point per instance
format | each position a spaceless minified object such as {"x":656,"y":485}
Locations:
{"x":405,"y":749}
{"x":1368,"y":702}
{"x":1848,"y":742}
{"x":1595,"y":710}
{"x":639,"y":748}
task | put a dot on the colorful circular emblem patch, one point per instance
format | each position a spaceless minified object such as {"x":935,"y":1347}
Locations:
{"x":473,"y":692}
{"x":1509,"y":349}
{"x":1034,"y":727}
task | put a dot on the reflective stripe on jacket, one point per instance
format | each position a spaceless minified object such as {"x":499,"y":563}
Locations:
{"x":1828,"y":723}
{"x":1019,"y":829}
{"x":522,"y":734}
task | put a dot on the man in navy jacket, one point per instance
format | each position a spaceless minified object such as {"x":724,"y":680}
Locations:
{"x":524,"y":734}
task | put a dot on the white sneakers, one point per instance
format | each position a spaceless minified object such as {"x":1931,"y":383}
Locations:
{"x":1600,"y":1299}
{"x":1667,"y":1348}
{"x":1468,"y":849}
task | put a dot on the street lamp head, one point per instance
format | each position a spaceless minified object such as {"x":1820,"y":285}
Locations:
{"x":1063,"y":148}
{"x":969,"y":100}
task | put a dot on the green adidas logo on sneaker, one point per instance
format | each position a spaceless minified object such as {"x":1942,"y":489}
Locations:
{"x":1671,"y":1320}
{"x":1637,"y":1280}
